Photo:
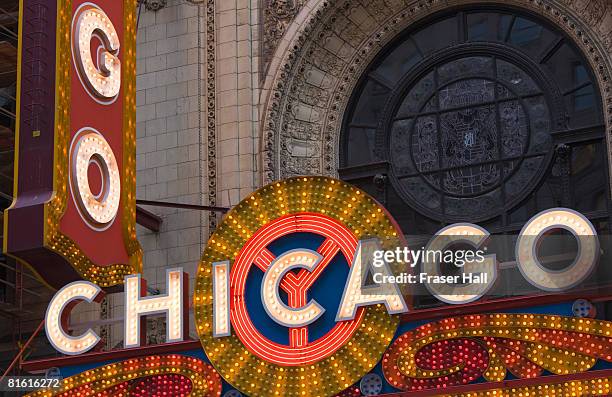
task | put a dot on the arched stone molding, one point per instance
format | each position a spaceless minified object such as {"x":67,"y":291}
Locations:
{"x":329,"y":45}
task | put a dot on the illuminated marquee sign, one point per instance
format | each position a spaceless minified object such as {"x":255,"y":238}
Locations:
{"x":280,"y":294}
{"x":329,"y":227}
{"x":75,"y":164}
{"x":269,"y":260}
{"x":302,"y":238}
{"x":526,"y":247}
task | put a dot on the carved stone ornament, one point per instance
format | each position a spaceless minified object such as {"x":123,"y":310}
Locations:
{"x":211,"y":123}
{"x":154,"y":5}
{"x":278,"y":14}
{"x":318,"y":66}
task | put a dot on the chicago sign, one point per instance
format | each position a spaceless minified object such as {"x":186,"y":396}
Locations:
{"x":280,"y":288}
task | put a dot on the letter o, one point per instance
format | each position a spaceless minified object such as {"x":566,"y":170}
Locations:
{"x":545,"y":222}
{"x":89,"y":147}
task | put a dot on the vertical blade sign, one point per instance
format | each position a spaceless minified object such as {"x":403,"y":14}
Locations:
{"x":73,"y":214}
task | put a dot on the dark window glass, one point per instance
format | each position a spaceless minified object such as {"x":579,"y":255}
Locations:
{"x":361,"y":146}
{"x":491,"y":136}
{"x":465,"y":139}
{"x":584,"y":98}
{"x":581,"y":75}
{"x":582,"y":108}
{"x":531,"y":37}
{"x":370,"y":104}
{"x":399,"y":61}
{"x":563,"y":65}
{"x":417,"y":95}
{"x":437,"y":36}
{"x":525,"y":31}
{"x":486,"y":26}
{"x":588,"y":165}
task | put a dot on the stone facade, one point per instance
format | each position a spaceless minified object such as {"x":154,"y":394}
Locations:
{"x":197,"y":78}
{"x":236,"y":102}
{"x":171,"y":157}
{"x":329,"y":44}
{"x":232,"y":94}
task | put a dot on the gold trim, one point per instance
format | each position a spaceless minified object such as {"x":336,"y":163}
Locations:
{"x":129,"y":138}
{"x":105,"y":276}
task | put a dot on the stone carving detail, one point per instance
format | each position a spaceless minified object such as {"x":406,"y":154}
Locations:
{"x":591,"y":11}
{"x":340,"y":38}
{"x":302,"y":131}
{"x":211,"y":117}
{"x":600,"y":14}
{"x":301,"y":166}
{"x":343,"y":26}
{"x":278,"y":14}
{"x":154,"y":5}
{"x":325,"y":60}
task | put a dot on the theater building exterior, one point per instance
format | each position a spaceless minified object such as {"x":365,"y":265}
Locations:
{"x":424,"y":113}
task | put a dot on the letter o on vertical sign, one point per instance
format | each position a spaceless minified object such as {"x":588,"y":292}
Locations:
{"x":90,"y":148}
{"x":102,"y":79}
{"x":530,"y":237}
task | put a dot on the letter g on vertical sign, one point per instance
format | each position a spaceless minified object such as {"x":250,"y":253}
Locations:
{"x":75,"y":167}
{"x":102,"y":79}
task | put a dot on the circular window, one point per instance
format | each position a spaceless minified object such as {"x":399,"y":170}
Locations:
{"x":461,"y":115}
{"x":467,"y":136}
{"x":459,"y":157}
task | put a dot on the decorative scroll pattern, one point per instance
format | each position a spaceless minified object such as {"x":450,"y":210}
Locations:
{"x":459,"y":350}
{"x":183,"y":376}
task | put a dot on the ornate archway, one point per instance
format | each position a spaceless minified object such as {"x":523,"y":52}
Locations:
{"x":330,"y":43}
